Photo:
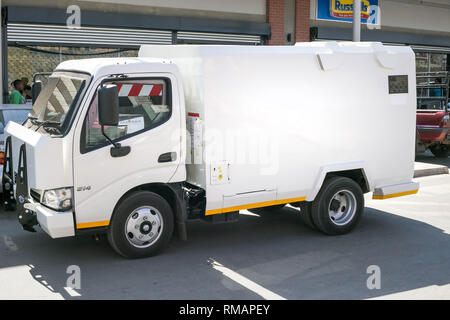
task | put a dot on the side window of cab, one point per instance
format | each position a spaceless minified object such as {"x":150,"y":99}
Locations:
{"x":143,"y":105}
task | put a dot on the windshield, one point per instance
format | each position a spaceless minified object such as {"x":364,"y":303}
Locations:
{"x":58,"y":97}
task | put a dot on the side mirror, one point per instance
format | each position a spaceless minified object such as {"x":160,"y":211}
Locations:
{"x":36,"y":89}
{"x":108,"y":105}
{"x":108,"y":115}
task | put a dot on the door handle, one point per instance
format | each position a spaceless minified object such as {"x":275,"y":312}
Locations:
{"x":167,"y":157}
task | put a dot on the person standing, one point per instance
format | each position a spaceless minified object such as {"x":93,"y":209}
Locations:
{"x":16,"y":96}
{"x":27,"y":93}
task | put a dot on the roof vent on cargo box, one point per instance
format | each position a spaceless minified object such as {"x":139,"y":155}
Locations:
{"x":384,"y":57}
{"x":332,"y":57}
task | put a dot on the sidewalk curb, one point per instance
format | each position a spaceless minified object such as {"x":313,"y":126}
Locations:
{"x":425,"y":172}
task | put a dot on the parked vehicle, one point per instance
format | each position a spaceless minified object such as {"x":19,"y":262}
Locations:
{"x":433,"y":119}
{"x":138,"y":146}
{"x":10,"y":112}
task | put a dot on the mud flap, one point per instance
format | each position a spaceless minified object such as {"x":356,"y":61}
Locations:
{"x":26,"y":217}
{"x":9,"y":201}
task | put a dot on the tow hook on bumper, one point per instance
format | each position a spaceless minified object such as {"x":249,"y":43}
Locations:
{"x":27,"y":218}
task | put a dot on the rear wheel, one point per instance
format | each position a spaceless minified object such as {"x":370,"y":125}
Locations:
{"x":305,"y":213}
{"x":142,"y":225}
{"x":338,"y":207}
{"x":440,"y":150}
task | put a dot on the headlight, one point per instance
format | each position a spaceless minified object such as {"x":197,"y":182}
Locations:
{"x":58,"y":199}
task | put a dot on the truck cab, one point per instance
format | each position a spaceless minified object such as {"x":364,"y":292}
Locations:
{"x":62,"y":158}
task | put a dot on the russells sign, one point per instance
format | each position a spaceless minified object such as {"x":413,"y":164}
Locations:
{"x":344,"y":9}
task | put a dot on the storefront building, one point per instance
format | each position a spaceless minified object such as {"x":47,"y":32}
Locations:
{"x":37,"y":36}
{"x":422,"y":24}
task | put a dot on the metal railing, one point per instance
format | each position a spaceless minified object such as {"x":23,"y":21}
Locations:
{"x":433,"y":90}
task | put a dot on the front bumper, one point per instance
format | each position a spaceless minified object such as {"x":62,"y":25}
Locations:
{"x":56,"y":224}
{"x":428,"y":133}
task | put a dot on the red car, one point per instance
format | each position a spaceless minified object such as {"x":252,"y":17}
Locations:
{"x":433,"y":119}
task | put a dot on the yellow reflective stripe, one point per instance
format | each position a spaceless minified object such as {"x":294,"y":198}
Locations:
{"x":253,"y":205}
{"x":393,"y":195}
{"x":92,"y":224}
{"x":214,"y":211}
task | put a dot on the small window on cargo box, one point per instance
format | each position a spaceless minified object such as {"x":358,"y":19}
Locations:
{"x":143,"y":105}
{"x":398,"y":84}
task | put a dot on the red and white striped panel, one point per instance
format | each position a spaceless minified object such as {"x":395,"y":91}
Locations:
{"x":139,"y":90}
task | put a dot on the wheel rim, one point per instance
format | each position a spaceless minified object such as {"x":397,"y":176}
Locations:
{"x":143,"y":227}
{"x":342,"y":207}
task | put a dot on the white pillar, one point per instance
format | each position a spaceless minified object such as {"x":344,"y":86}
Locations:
{"x":356,"y":20}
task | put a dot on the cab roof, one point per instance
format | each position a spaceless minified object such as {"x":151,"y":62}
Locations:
{"x":106,"y":66}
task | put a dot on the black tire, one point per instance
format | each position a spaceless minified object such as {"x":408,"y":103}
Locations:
{"x":268,"y":208}
{"x":440,"y":151}
{"x":120,"y":240}
{"x":343,"y":187}
{"x":305,"y":213}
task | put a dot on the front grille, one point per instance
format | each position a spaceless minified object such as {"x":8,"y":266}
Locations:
{"x":35,"y":194}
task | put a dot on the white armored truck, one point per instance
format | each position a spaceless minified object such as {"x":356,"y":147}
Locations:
{"x":135,"y":147}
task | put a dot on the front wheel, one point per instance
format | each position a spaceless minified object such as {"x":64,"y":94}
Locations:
{"x":142,"y":225}
{"x":338,"y":207}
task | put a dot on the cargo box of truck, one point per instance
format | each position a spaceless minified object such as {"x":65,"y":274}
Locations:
{"x":297,"y":113}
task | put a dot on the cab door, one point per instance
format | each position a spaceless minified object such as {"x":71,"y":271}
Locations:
{"x":149,"y":115}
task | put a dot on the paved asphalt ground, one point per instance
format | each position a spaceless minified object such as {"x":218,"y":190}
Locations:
{"x":428,"y":157}
{"x":270,"y":256}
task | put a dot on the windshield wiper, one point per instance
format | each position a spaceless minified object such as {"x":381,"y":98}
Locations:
{"x":48,"y":123}
{"x":33,"y":121}
{"x":52,"y":126}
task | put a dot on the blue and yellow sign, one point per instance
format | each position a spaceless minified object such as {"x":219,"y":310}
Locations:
{"x":342,"y":10}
